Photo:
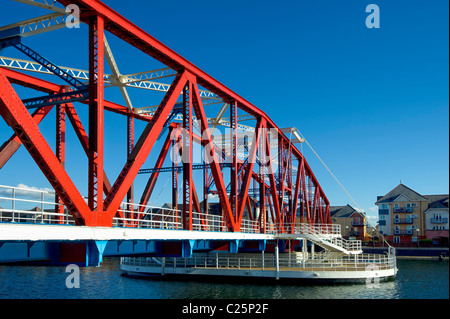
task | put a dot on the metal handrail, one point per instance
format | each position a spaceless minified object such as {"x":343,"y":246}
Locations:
{"x":151,"y":216}
{"x":361,"y":262}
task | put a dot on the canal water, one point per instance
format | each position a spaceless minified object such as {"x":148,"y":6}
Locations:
{"x":415,"y":280}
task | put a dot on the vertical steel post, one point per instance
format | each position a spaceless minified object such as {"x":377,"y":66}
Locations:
{"x":262,"y":178}
{"x":175,"y":140}
{"x":60,"y":153}
{"x":233,"y":168}
{"x":291,"y":210}
{"x":130,"y":146}
{"x":96,"y":67}
{"x":205,"y":188}
{"x":281,"y":174}
{"x":187,"y":157}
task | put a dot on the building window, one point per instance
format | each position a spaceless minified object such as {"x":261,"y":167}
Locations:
{"x":383,"y":206}
{"x":395,"y":205}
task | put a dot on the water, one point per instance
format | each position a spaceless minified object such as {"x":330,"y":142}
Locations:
{"x":415,"y":280}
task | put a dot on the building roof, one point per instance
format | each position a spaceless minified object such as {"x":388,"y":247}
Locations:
{"x":342,"y":211}
{"x":397,"y":192}
{"x":438,"y":201}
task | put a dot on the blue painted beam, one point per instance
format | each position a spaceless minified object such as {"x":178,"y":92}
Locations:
{"x":177,"y":169}
{"x":94,"y":252}
{"x":67,"y":97}
{"x":52,"y":67}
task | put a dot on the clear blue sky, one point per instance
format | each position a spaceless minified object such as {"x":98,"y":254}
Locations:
{"x":372,"y":102}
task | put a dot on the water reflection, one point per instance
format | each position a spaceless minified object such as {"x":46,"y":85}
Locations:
{"x":415,"y":280}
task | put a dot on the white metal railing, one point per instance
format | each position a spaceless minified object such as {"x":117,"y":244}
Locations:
{"x":27,"y":205}
{"x":150,"y":217}
{"x":208,"y":222}
{"x":361,"y":262}
{"x":350,"y":245}
{"x":313,"y":229}
{"x":249,"y":226}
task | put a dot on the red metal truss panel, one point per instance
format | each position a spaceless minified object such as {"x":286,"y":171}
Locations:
{"x":19,"y":119}
{"x":143,"y":147}
{"x":99,"y":212}
{"x":8,"y":148}
{"x":30,"y":81}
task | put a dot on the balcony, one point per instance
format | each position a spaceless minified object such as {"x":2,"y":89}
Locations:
{"x":439,"y":220}
{"x":403,"y":210}
{"x":403,"y":221}
{"x":403,"y":232}
{"x":383,"y":211}
{"x":358,"y":223}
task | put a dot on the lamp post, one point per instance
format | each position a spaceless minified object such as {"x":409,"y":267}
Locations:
{"x":417,"y":229}
{"x":373,"y":235}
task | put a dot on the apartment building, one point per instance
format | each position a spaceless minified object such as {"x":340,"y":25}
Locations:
{"x":405,"y":216}
{"x":353,"y":222}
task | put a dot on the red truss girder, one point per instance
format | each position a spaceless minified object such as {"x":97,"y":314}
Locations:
{"x":304,"y":192}
{"x":13,"y":143}
{"x":81,"y":133}
{"x":19,"y":119}
{"x":143,"y":147}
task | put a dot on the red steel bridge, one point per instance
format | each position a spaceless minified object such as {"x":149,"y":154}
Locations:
{"x":263,"y":183}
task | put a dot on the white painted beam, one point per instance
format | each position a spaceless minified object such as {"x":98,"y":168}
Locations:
{"x":33,"y":232}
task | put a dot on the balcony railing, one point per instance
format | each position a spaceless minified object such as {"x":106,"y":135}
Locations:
{"x":439,"y":220}
{"x":358,"y":223}
{"x":403,"y":232}
{"x":403,"y":210}
{"x":403,"y":221}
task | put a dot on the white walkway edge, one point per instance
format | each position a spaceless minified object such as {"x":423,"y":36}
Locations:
{"x":34,"y":232}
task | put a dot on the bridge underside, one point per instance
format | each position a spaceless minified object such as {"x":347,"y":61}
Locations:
{"x":91,"y":252}
{"x":86,"y":245}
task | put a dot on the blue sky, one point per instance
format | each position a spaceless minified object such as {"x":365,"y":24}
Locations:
{"x":373,"y":103}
